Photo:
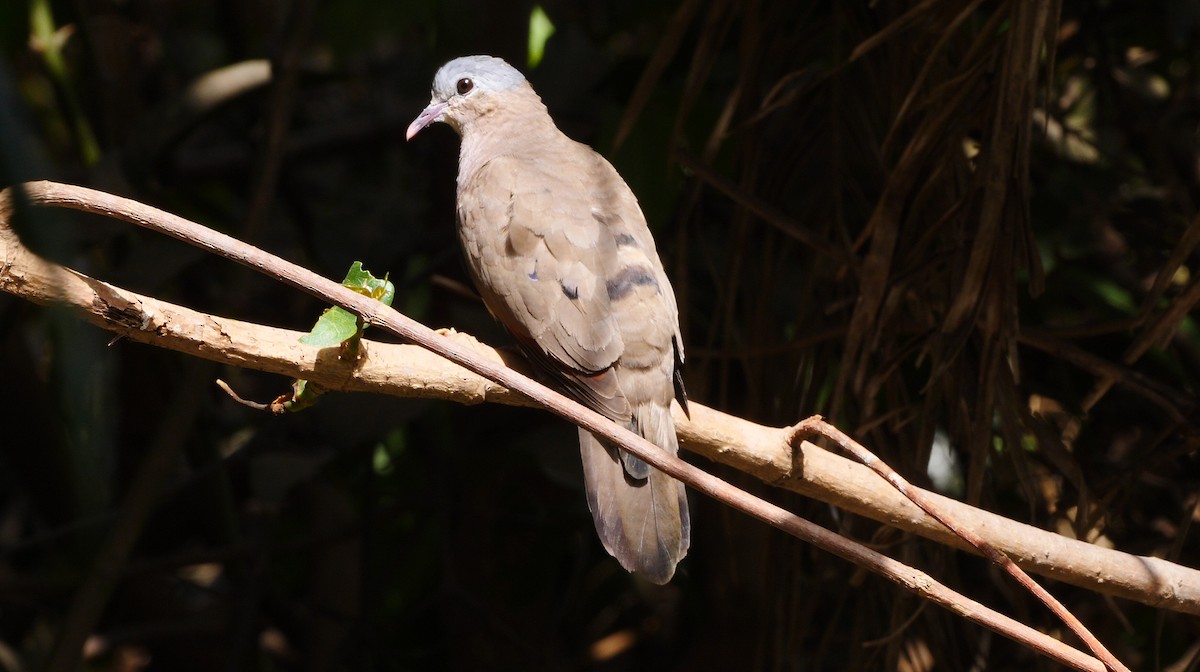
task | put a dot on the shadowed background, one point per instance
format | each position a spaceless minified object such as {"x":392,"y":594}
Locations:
{"x":962,"y":231}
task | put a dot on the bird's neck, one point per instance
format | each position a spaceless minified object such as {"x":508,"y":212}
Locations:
{"x":494,"y":131}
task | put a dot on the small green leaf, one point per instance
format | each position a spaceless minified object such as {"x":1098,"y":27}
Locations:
{"x":540,"y":30}
{"x":381,"y":461}
{"x":337,"y":326}
{"x":360,"y":280}
{"x":384,"y":293}
{"x":334,"y":327}
{"x":388,"y":450}
{"x":1116,"y":296}
{"x":357,"y":278}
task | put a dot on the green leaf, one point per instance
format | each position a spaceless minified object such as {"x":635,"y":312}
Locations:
{"x":334,"y":327}
{"x":360,"y":280}
{"x":387,"y":452}
{"x":540,"y":30}
{"x":337,"y":325}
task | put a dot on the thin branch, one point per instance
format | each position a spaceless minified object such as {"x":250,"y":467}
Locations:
{"x":817,"y":425}
{"x":258,"y":406}
{"x":282,"y":101}
{"x":763,"y":210}
{"x":1169,"y":401}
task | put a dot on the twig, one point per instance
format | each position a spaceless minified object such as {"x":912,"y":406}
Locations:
{"x":258,"y":406}
{"x":1171,"y":403}
{"x":282,"y":100}
{"x":817,"y":425}
{"x":763,"y":210}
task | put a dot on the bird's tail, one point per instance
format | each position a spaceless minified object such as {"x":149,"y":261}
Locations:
{"x":642,"y":522}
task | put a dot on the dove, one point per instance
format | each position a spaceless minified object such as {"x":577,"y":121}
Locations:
{"x":560,"y":251}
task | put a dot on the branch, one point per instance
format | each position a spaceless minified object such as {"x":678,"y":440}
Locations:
{"x":409,"y":371}
{"x":412,"y":371}
{"x":817,"y":425}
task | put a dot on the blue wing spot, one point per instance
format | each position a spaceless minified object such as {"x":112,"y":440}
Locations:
{"x":625,"y":282}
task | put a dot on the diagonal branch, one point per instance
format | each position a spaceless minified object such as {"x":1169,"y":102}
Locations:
{"x":817,"y":425}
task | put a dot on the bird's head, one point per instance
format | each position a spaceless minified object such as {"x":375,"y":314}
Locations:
{"x":464,"y":89}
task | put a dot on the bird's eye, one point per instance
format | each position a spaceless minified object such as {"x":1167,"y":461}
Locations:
{"x":464,"y":86}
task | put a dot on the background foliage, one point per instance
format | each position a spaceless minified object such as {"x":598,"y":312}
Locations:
{"x":861,"y":222}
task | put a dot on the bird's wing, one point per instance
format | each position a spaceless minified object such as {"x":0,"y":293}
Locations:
{"x":542,"y":257}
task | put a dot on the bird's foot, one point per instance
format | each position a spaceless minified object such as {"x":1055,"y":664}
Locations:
{"x":468,"y":341}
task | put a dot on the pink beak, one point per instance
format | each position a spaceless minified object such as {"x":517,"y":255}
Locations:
{"x":428,"y":116}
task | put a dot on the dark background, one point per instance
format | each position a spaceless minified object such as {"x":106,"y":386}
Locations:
{"x":822,"y":211}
